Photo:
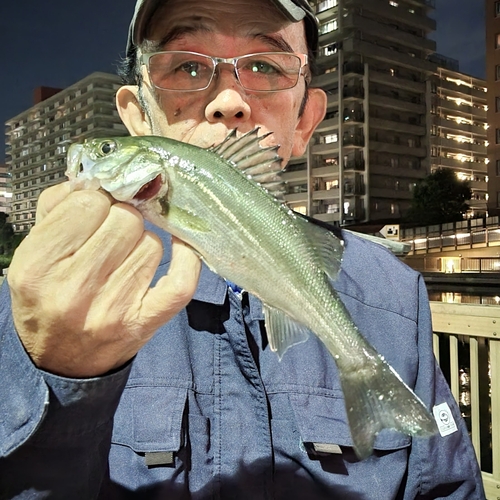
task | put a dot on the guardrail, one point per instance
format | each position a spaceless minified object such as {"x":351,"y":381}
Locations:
{"x":467,"y":347}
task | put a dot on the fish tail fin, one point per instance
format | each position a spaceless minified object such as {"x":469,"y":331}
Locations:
{"x":377,"y":398}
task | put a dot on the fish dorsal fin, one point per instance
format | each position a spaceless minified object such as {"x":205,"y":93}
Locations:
{"x":261,"y":164}
{"x":282,"y":331}
{"x":328,"y":247}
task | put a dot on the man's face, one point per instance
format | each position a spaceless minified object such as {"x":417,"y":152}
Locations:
{"x":227,"y":29}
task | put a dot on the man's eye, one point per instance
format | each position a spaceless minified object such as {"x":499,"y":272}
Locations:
{"x":262,"y":67}
{"x":193,"y":69}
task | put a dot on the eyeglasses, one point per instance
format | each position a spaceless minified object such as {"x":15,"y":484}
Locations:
{"x":189,"y":71}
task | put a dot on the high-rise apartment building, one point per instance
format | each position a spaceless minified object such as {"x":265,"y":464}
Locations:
{"x":493,"y":82}
{"x":37,"y":139}
{"x":459,"y":129}
{"x":5,"y":189}
{"x":374,"y":142}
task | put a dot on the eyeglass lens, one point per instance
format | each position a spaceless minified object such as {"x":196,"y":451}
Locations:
{"x":190,"y":71}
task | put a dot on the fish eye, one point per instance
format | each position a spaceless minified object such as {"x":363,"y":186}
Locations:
{"x":106,"y":148}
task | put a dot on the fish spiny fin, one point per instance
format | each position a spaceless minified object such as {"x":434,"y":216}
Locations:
{"x":376,"y":398}
{"x":261,"y":164}
{"x":327,"y":246}
{"x":282,"y":331}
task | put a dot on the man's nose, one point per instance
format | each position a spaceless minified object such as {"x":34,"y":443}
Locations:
{"x":228,"y":103}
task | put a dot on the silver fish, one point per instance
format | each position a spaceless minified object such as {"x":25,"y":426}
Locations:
{"x":214,"y":200}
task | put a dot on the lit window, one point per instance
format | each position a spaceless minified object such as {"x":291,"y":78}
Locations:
{"x":328,"y":27}
{"x":331,"y":138}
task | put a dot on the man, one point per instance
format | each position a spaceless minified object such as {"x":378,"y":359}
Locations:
{"x":113,"y":389}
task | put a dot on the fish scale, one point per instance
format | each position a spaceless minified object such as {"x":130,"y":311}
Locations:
{"x":213,"y":200}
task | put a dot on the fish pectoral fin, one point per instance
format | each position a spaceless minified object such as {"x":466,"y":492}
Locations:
{"x":187,"y":220}
{"x":282,"y":331}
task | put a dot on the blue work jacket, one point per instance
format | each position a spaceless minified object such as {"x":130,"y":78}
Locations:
{"x":205,"y":410}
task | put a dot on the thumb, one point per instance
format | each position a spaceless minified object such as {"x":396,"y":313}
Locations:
{"x":174,"y":290}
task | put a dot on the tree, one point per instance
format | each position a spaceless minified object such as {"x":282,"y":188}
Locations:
{"x":439,"y":198}
{"x":9,"y":241}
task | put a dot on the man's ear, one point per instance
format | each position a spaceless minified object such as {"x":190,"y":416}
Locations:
{"x":313,"y":113}
{"x":131,"y":112}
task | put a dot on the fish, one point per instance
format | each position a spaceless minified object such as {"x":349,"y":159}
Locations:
{"x":227,"y":203}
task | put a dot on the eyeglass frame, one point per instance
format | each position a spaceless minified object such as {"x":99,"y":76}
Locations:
{"x":304,"y":61}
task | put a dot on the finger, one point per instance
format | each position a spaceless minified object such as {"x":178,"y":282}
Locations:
{"x":109,"y":246}
{"x":64,"y":229}
{"x":174,"y":290}
{"x":49,"y":198}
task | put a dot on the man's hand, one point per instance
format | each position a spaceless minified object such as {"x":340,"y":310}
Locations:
{"x":80,"y":283}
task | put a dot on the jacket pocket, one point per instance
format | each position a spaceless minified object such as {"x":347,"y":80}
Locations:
{"x":323,"y":427}
{"x":149,"y":419}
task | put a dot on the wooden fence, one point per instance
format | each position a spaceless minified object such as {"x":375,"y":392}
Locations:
{"x":467,"y":346}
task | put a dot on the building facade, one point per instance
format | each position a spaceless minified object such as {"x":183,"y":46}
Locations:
{"x":5,"y":189}
{"x":493,"y":82}
{"x":374,"y":142}
{"x":37,"y":139}
{"x":459,"y":129}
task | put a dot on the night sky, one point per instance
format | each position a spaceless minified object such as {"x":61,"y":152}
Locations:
{"x":56,"y":43}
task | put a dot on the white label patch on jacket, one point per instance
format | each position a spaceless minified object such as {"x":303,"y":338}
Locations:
{"x":444,"y":419}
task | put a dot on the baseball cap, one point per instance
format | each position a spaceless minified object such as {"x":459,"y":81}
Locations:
{"x":294,"y":10}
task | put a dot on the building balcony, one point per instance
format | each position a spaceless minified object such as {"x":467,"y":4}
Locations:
{"x":464,"y":128}
{"x":399,"y":149}
{"x":462,"y":89}
{"x":328,"y":171}
{"x":295,"y":176}
{"x":331,"y":217}
{"x":457,"y":146}
{"x":393,"y":56}
{"x":392,"y":33}
{"x":396,"y":82}
{"x":402,"y":127}
{"x":326,"y":194}
{"x":328,"y":125}
{"x":449,"y":105}
{"x":397,"y":104}
{"x":479,"y":186}
{"x":296,"y":198}
{"x":325,"y":149}
{"x":384,"y":9}
{"x":326,"y":81}
{"x":392,"y":194}
{"x":472,"y":166}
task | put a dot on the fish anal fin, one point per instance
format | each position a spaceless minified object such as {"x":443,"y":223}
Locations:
{"x":282,"y":331}
{"x":376,"y":398}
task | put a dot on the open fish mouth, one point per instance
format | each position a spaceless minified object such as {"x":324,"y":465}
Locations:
{"x":149,"y":190}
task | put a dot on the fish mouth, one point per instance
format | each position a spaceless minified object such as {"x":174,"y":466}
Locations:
{"x":149,"y":190}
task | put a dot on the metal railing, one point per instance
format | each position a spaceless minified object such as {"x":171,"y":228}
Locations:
{"x":467,"y":347}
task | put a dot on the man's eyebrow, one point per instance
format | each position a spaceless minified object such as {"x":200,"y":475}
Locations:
{"x":276,"y":41}
{"x":179,"y":32}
